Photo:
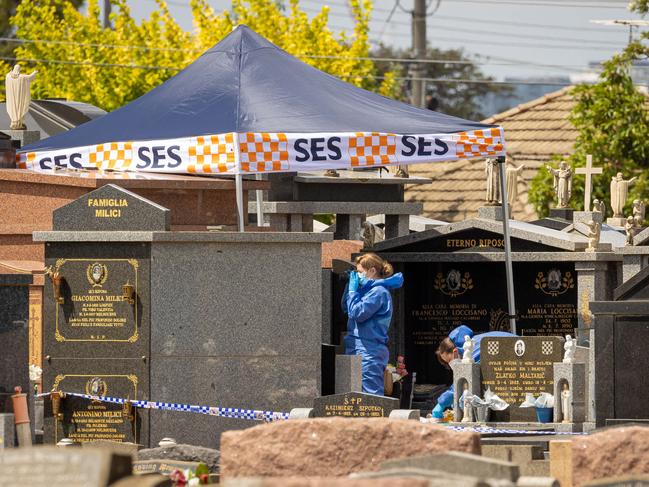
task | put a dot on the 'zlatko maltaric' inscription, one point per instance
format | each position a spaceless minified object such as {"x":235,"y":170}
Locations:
{"x":108,"y":207}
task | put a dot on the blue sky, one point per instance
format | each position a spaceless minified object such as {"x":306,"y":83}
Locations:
{"x":512,"y":37}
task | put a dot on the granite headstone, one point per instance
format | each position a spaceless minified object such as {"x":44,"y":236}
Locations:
{"x":14,"y":336}
{"x":111,"y":208}
{"x":96,"y":327}
{"x":514,"y":366}
{"x":354,"y":405}
{"x":59,"y":467}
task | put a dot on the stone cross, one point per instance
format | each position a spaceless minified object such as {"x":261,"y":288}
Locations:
{"x":589,"y":171}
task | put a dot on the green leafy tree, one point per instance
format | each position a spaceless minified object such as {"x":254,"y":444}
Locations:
{"x":455,"y":98}
{"x":613,"y":123}
{"x":111,"y":67}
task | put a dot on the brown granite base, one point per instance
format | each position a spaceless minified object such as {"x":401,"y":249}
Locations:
{"x":28,"y":198}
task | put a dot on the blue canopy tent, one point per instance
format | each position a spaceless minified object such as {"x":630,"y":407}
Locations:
{"x":246,"y":106}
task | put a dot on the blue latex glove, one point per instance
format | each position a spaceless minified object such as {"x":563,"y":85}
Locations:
{"x":438,"y":412}
{"x":354,"y":282}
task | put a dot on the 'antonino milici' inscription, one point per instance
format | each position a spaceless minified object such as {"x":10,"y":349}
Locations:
{"x":108,"y":207}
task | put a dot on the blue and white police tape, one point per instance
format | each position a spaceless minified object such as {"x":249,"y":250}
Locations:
{"x":507,"y":431}
{"x":237,"y":413}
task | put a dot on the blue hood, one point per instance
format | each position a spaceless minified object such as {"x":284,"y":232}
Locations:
{"x":457,"y":336}
{"x":392,"y":282}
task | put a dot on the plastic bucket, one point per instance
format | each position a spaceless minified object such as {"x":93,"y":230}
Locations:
{"x":481,"y":414}
{"x":544,"y":415}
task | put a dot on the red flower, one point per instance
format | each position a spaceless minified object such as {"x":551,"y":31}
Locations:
{"x":178,"y":478}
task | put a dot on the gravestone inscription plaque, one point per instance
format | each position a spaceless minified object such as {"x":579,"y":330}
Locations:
{"x":354,"y":405}
{"x":439,"y":296}
{"x":514,"y":366}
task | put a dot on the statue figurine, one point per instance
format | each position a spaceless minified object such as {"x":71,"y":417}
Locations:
{"x":18,"y":96}
{"x":638,"y":212}
{"x":491,"y":170}
{"x":562,"y":183}
{"x":467,"y":417}
{"x":569,"y":347}
{"x":467,"y":356}
{"x":513,"y":174}
{"x":594,"y":233}
{"x":631,"y":229}
{"x":619,"y":193}
{"x":598,"y":207}
{"x":566,"y":409}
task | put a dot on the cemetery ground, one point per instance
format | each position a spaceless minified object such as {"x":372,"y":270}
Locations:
{"x":144,"y":341}
{"x":133,"y":395}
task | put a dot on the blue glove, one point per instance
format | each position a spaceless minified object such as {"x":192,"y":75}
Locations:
{"x":438,"y":412}
{"x":354,"y":283}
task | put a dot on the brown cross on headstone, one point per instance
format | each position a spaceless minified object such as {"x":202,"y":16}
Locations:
{"x":589,"y":171}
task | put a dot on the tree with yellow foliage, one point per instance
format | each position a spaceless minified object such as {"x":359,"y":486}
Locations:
{"x":78,"y":59}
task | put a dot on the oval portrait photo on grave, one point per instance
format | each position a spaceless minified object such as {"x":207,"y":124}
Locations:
{"x":519,"y":348}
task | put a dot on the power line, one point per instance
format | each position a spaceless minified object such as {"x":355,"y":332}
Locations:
{"x":87,"y":63}
{"x":461,"y":80}
{"x":402,"y":78}
{"x":540,"y":4}
{"x":308,"y":56}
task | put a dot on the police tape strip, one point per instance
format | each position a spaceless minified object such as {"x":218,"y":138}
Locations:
{"x":237,"y":413}
{"x":505,"y":431}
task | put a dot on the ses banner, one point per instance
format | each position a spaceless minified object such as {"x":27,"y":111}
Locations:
{"x":269,"y":152}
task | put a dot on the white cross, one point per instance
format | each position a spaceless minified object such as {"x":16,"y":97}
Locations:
{"x":589,"y":171}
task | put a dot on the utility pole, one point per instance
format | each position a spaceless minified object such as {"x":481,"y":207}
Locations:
{"x":107,"y":10}
{"x":419,"y":50}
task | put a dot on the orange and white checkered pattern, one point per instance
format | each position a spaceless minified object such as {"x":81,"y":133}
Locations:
{"x":371,"y":149}
{"x":479,"y":143}
{"x":211,"y":154}
{"x":261,"y":152}
{"x":25,"y":160}
{"x":115,"y":155}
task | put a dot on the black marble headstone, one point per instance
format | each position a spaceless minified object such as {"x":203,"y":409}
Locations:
{"x":96,"y":328}
{"x":111,"y":208}
{"x":14,"y":336}
{"x":514,"y":366}
{"x":98,"y":342}
{"x":354,"y":405}
{"x":441,"y":296}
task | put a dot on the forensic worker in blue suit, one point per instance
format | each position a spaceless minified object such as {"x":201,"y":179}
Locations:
{"x":451,"y":348}
{"x":368,"y":304}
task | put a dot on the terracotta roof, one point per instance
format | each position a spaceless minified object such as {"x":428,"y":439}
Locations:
{"x":534,"y":132}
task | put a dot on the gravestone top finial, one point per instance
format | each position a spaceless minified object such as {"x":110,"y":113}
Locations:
{"x":619,"y":193}
{"x":469,"y":345}
{"x":589,"y":171}
{"x":562,"y":183}
{"x":18,"y":96}
{"x":569,"y":347}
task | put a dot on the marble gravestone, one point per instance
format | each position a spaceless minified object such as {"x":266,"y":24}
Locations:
{"x":354,"y":405}
{"x":96,"y":339}
{"x":514,"y":366}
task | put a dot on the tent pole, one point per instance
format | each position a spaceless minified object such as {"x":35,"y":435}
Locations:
{"x":260,"y":199}
{"x":238,"y":180}
{"x":239,"y":192}
{"x":508,"y":251}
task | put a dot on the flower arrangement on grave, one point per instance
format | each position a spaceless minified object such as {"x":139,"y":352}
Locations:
{"x":399,"y":371}
{"x":187,"y":478}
